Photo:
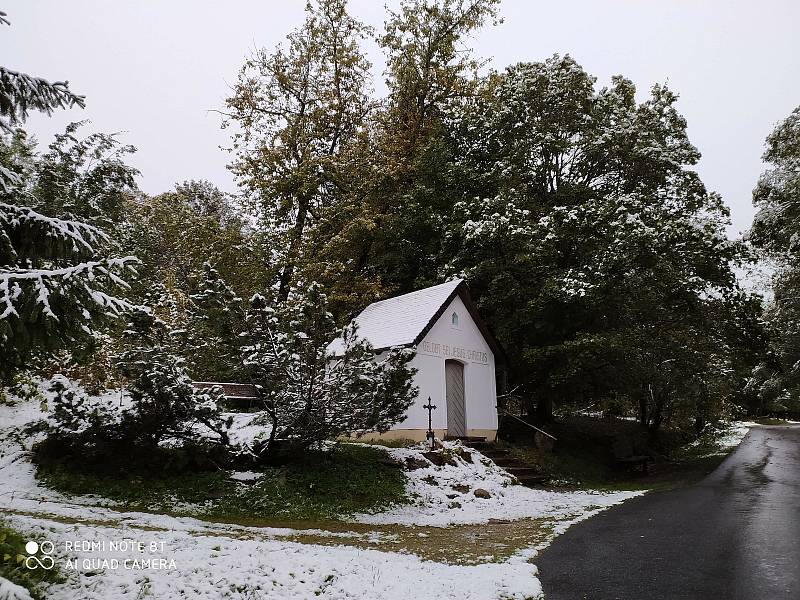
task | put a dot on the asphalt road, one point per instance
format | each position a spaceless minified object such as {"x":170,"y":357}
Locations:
{"x":733,"y":536}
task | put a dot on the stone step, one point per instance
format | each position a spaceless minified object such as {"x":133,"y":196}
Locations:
{"x":532,"y":480}
{"x":506,"y":461}
{"x":521,"y":471}
{"x":496,"y":453}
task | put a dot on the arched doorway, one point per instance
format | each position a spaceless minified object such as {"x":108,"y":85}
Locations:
{"x":456,"y":407}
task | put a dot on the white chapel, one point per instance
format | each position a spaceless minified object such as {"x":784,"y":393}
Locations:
{"x":456,"y":357}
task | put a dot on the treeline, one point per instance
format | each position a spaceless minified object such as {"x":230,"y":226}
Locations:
{"x":574,"y":211}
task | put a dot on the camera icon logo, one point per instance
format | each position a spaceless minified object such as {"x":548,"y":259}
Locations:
{"x":35,"y":562}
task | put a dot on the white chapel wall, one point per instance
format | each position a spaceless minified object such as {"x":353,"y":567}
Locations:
{"x":466,"y":344}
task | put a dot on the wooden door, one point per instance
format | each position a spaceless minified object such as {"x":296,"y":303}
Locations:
{"x":456,"y":407}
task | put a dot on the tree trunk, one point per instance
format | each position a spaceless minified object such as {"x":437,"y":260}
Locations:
{"x":656,"y":415}
{"x":642,"y":402}
{"x":701,"y":410}
{"x":287,"y":273}
{"x":699,"y":424}
{"x":655,"y":422}
{"x":544,"y":409}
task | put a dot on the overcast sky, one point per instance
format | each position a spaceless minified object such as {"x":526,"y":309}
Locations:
{"x":157,"y":69}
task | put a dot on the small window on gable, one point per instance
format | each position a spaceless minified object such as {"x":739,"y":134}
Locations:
{"x":454,"y":319}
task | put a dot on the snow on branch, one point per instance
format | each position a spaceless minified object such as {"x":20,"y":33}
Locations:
{"x":20,"y":93}
{"x":41,"y":284}
{"x":8,"y":179}
{"x":83,"y":236}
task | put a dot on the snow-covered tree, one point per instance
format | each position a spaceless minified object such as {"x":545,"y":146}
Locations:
{"x":776,"y":230}
{"x":21,"y":93}
{"x":215,"y":318}
{"x":86,"y":177}
{"x":55,"y":285}
{"x":161,"y":406}
{"x":590,"y":242}
{"x":307,"y":395}
{"x":161,"y":391}
{"x":55,"y":280}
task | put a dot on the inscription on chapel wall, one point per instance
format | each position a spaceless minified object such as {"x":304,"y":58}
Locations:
{"x":447,"y":351}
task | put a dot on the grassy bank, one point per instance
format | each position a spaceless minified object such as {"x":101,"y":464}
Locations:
{"x":584,"y":457}
{"x":314,"y":486}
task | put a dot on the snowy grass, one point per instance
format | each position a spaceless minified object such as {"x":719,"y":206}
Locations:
{"x":717,"y":440}
{"x":214,"y":567}
{"x":14,"y":570}
{"x":442,"y":496}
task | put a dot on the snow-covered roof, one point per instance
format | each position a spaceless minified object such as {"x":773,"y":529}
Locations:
{"x":400,"y":320}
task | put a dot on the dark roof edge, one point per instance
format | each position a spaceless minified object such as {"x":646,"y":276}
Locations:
{"x":462,"y":292}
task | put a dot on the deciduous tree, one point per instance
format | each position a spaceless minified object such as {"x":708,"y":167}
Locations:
{"x":776,"y":230}
{"x":297,"y":111}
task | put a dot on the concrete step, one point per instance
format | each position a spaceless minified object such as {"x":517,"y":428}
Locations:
{"x":464,"y":438}
{"x":521,"y":471}
{"x":479,"y":446}
{"x":533,"y":480}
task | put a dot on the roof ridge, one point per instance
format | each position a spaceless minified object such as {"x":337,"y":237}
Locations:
{"x":420,"y":291}
{"x":399,"y":320}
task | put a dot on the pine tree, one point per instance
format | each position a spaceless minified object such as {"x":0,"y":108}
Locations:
{"x":54,"y":286}
{"x":54,"y":281}
{"x":21,"y":93}
{"x":85,"y":177}
{"x":165,"y":404}
{"x":161,"y":406}
{"x":215,"y":320}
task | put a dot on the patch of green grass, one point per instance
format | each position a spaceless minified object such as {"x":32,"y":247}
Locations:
{"x":571,"y":467}
{"x":12,"y":563}
{"x":315,"y":486}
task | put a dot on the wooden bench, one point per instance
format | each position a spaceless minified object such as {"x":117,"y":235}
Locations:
{"x":238,"y":396}
{"x":625,"y":456}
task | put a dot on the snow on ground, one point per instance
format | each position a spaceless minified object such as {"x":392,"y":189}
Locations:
{"x":12,"y":591}
{"x":213,"y":567}
{"x":246,"y":476}
{"x":734,"y":435}
{"x":215,"y":560}
{"x":723,"y":440}
{"x":431,"y":489}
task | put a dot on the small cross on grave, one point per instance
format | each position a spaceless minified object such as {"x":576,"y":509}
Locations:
{"x":430,"y":407}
